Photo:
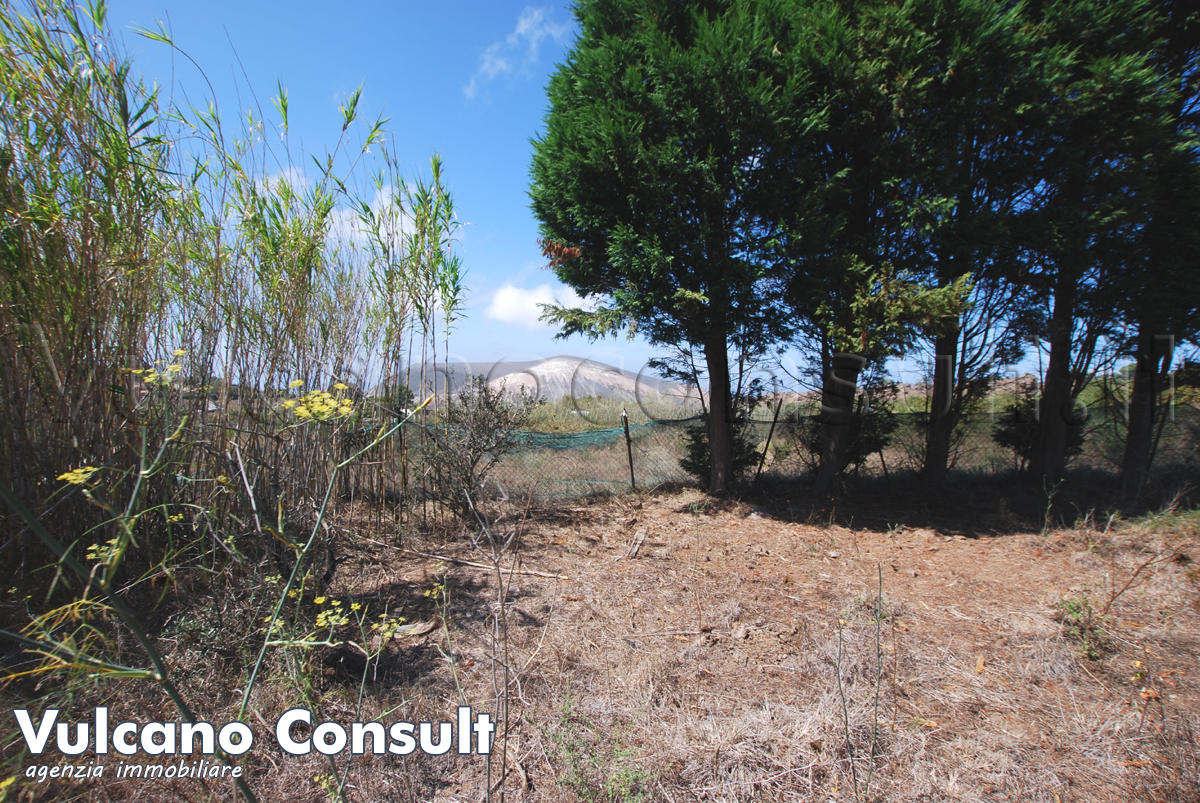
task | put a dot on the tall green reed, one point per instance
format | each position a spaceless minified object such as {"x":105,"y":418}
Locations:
{"x":171,"y":286}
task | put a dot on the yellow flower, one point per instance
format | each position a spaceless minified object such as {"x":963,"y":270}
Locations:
{"x":80,"y":475}
{"x":337,"y":603}
{"x":179,"y":352}
{"x":354,"y":606}
{"x":319,"y":600}
{"x":303,"y":412}
{"x":341,"y":386}
{"x":295,"y":383}
{"x":174,"y":368}
{"x":290,"y":403}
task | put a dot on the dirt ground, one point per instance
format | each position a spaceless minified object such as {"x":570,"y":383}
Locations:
{"x":749,"y":652}
{"x":706,"y":667}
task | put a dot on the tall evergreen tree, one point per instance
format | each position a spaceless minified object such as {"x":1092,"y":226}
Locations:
{"x":1159,"y":296}
{"x":965,"y":156}
{"x":847,"y":232}
{"x":1101,"y":115}
{"x":652,"y":180}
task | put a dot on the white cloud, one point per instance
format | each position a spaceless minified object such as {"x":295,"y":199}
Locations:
{"x":519,"y":306}
{"x":518,"y":51}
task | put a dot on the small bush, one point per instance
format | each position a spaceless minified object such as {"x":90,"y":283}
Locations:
{"x":871,"y":429}
{"x":478,"y":427}
{"x":1018,"y":430}
{"x":698,"y":460}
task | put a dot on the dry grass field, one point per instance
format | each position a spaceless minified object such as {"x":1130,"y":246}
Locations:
{"x":747,"y":652}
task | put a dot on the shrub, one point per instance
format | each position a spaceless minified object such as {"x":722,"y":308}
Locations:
{"x":477,"y":428}
{"x":1083,"y":625}
{"x":871,"y":428}
{"x":1018,"y":428}
{"x":697,"y":461}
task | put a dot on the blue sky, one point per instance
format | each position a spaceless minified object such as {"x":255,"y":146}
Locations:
{"x":464,"y":79}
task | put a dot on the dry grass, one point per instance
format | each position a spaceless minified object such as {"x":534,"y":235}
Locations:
{"x":706,"y":668}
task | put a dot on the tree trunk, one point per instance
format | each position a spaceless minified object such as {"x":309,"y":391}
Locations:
{"x":942,"y":415}
{"x":720,"y":414}
{"x":1154,"y":356}
{"x":1055,"y":413}
{"x":837,"y":416}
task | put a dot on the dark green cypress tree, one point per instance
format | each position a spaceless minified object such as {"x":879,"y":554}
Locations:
{"x":1159,"y":295}
{"x":653,"y":181}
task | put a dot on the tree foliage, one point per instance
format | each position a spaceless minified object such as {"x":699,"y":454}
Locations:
{"x":858,"y":177}
{"x":650,"y":180}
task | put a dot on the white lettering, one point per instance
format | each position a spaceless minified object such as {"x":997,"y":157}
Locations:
{"x":63,"y":738}
{"x":102,"y":730}
{"x":163,"y":729}
{"x":464,"y":730}
{"x":283,"y":732}
{"x":403,"y":742}
{"x":484,"y":728}
{"x":119,"y":742}
{"x":329,"y":729}
{"x":444,"y":737}
{"x":239,"y":729}
{"x":358,"y":731}
{"x":36,"y":741}
{"x":187,"y":736}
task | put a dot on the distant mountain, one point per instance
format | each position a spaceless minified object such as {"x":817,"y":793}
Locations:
{"x":553,"y":378}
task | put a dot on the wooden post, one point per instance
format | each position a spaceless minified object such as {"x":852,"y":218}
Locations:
{"x":628,"y":447}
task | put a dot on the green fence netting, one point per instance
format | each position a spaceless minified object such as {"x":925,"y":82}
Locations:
{"x":568,"y":464}
{"x":571,"y":464}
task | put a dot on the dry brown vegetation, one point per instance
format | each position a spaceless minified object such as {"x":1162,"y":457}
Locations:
{"x":707,"y":667}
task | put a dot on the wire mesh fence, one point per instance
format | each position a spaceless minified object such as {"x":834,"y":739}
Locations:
{"x":582,"y":463}
{"x":548,"y":465}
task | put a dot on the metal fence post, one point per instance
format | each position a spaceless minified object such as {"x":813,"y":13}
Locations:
{"x":628,"y":447}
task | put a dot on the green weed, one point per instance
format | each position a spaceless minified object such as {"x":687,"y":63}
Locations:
{"x":1083,"y":625}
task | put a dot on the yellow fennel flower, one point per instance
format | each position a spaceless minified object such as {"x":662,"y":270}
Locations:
{"x":80,"y":475}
